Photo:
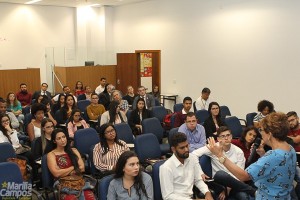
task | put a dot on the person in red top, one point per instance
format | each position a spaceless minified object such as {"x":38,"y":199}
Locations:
{"x":24,"y":96}
{"x":245,"y":142}
{"x":181,"y":116}
{"x":294,"y":133}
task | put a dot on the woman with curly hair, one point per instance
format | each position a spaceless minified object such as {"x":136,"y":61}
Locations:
{"x":264,"y":108}
{"x":38,"y":111}
{"x":130,"y":182}
{"x":214,"y":121}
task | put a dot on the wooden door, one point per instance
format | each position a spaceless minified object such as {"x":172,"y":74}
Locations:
{"x":127,"y":71}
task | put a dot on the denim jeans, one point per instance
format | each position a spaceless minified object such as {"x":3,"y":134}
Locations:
{"x":239,"y":190}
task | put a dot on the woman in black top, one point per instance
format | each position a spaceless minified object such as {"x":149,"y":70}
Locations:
{"x":214,"y":121}
{"x":137,"y":115}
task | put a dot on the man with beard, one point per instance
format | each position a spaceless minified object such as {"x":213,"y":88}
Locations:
{"x":219,"y":171}
{"x":294,"y":133}
{"x":24,"y":96}
{"x":181,"y":172}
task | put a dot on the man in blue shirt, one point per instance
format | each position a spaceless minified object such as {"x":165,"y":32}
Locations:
{"x":195,"y":132}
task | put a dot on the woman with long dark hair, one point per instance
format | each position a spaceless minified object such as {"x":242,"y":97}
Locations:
{"x":79,"y":89}
{"x":64,"y":160}
{"x":130,"y":182}
{"x":114,"y":115}
{"x":245,"y":142}
{"x":66,"y":110}
{"x":108,"y":150}
{"x":138,"y":115}
{"x":60,"y":103}
{"x":214,"y":121}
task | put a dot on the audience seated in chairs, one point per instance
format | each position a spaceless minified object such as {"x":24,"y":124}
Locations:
{"x":43,"y":91}
{"x":3,"y":110}
{"x":59,"y":104}
{"x":66,"y":90}
{"x":155,"y":93}
{"x":294,"y":132}
{"x":245,"y":143}
{"x":233,"y":153}
{"x":10,"y":135}
{"x":104,"y":97}
{"x":114,"y":115}
{"x":195,"y":132}
{"x":130,"y":182}
{"x":181,"y":115}
{"x":24,"y":96}
{"x":38,"y":111}
{"x":264,"y":108}
{"x":107,"y":152}
{"x":49,"y":114}
{"x":86,"y":95}
{"x":214,"y":121}
{"x":63,"y":161}
{"x":14,"y":106}
{"x":177,"y":182}
{"x":76,"y":122}
{"x":66,"y":110}
{"x":117,"y":96}
{"x":95,"y":110}
{"x":129,"y":97}
{"x":79,"y":89}
{"x":43,"y":144}
{"x":274,"y":170}
{"x":203,"y":101}
{"x":149,"y":99}
{"x":138,"y":115}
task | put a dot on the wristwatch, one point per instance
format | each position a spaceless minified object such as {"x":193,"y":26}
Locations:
{"x":222,"y":159}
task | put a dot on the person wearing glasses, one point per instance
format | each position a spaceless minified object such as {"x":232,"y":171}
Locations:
{"x":232,"y":153}
{"x":76,"y":122}
{"x":194,"y":132}
{"x":107,"y":152}
{"x":44,"y":142}
{"x":274,"y":172}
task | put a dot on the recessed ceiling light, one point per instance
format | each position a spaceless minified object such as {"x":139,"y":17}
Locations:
{"x":33,"y":1}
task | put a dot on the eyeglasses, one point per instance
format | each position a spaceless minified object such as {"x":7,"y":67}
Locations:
{"x":110,"y":131}
{"x":76,"y":115}
{"x":225,"y":136}
{"x":49,"y":126}
{"x":4,"y":121}
{"x":95,"y":98}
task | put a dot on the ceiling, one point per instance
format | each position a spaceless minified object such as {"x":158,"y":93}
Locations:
{"x":76,"y":3}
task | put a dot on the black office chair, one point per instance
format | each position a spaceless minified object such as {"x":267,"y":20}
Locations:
{"x":249,"y":118}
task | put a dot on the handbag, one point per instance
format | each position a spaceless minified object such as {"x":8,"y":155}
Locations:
{"x":22,"y":149}
{"x":22,"y":165}
{"x":70,"y":183}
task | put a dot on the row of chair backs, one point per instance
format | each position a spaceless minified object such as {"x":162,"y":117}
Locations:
{"x":153,"y":125}
{"x":234,"y":124}
{"x":6,"y":151}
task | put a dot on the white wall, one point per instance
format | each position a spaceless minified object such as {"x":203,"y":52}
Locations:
{"x":26,"y":32}
{"x":244,"y":51}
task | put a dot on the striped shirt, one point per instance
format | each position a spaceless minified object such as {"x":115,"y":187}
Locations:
{"x":107,"y":161}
